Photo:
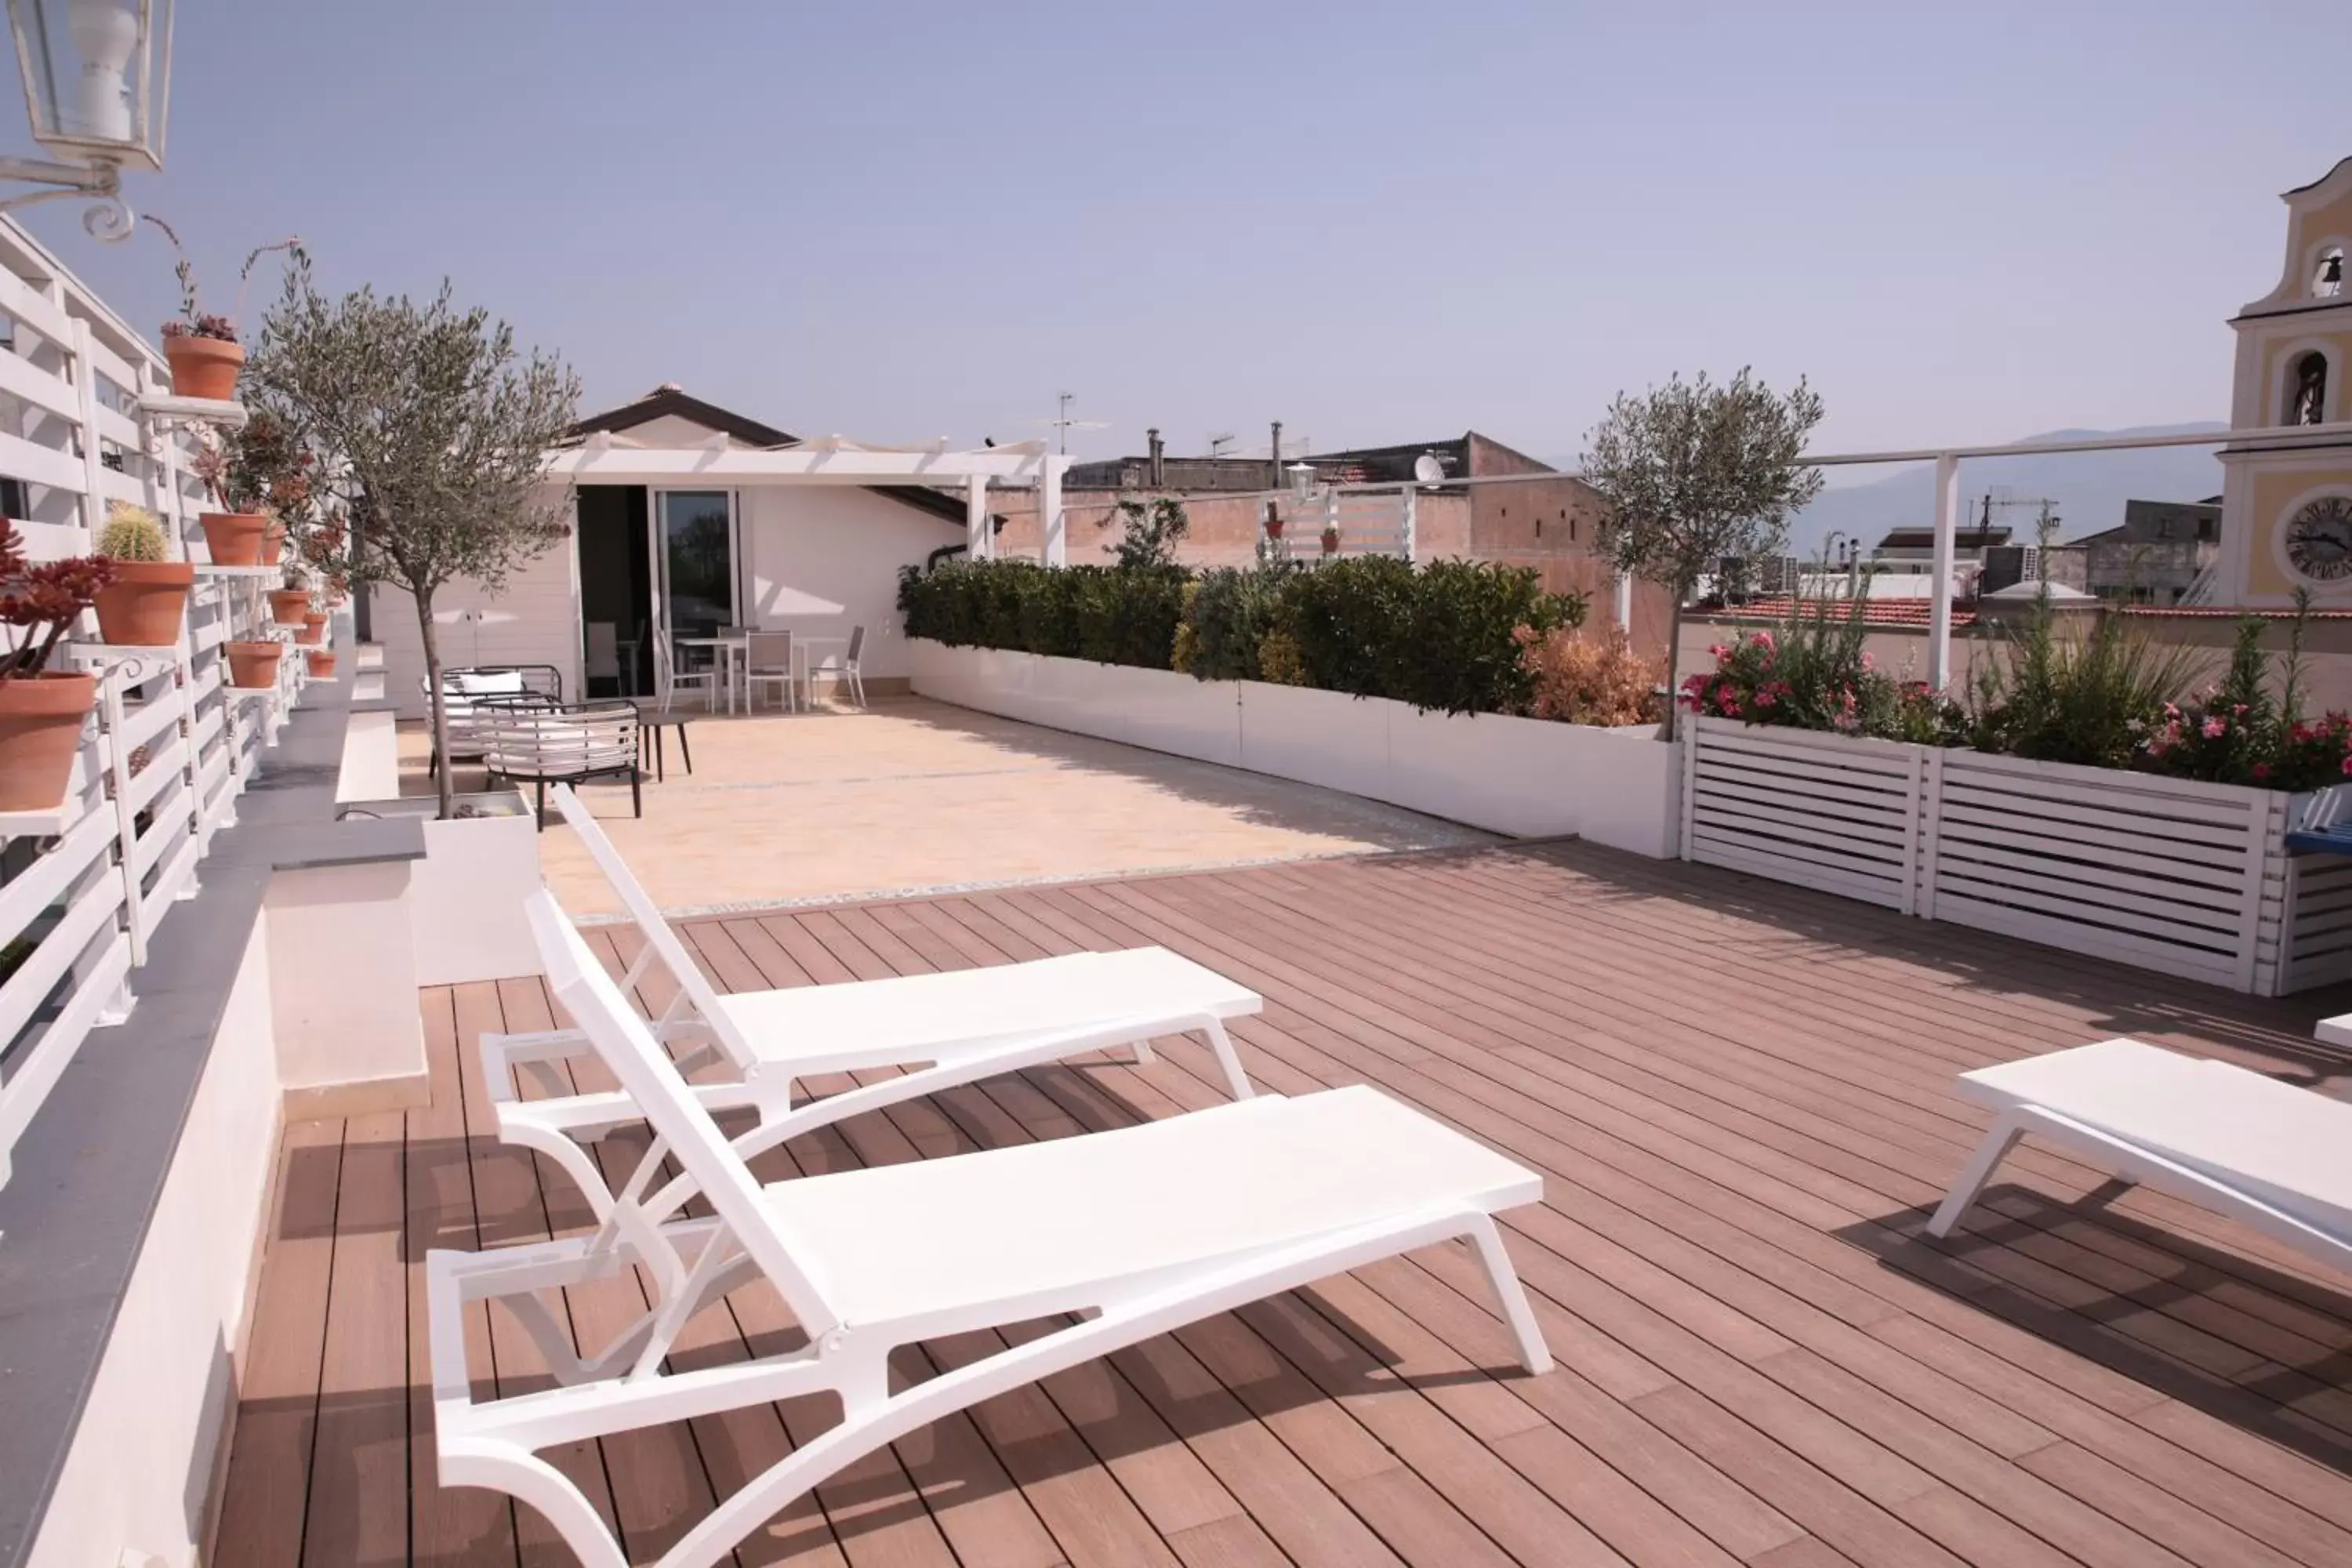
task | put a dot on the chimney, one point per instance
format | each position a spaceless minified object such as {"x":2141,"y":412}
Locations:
{"x":1276,"y":449}
{"x":1159,"y":459}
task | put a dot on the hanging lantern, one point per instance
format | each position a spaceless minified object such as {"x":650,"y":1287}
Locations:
{"x":98,"y":77}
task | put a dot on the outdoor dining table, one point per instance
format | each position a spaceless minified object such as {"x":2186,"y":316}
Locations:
{"x":733,"y":651}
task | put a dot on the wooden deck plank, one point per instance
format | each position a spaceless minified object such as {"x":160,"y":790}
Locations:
{"x":446,"y":1524}
{"x":266,"y":1503}
{"x":1740,"y":1097}
{"x":359,"y":1470}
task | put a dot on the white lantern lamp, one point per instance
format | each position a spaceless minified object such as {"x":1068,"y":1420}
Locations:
{"x":98,"y":78}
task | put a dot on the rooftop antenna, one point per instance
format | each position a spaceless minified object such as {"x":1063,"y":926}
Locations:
{"x":1062,"y":423}
{"x":1428,"y":468}
{"x":1220,"y":440}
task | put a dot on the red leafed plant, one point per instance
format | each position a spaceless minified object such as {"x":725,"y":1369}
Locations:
{"x":1581,"y":677}
{"x":42,"y":601}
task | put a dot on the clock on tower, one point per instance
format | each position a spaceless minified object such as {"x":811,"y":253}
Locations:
{"x":2286,"y":505}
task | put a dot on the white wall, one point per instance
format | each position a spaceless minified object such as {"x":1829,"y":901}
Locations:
{"x":825,"y":558}
{"x":534,"y":621}
{"x":144,"y":1455}
{"x":1524,"y":777}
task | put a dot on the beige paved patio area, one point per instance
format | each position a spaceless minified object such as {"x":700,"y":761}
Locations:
{"x":918,"y":796}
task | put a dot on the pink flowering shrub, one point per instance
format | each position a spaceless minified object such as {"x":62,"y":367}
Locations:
{"x":2237,"y":732}
{"x":1813,"y":673}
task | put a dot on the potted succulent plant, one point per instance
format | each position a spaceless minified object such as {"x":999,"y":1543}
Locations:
{"x":41,"y":709}
{"x":1330,"y":539}
{"x":259,"y":476}
{"x":202,"y":347}
{"x":141,"y":606}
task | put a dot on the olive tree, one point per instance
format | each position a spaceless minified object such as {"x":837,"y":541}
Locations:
{"x":1693,"y":473}
{"x":433,"y":431}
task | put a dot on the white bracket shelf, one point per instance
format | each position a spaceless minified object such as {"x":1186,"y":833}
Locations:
{"x":165,"y":411}
{"x":50,"y":823}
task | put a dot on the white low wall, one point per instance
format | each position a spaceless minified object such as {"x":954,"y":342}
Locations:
{"x":1526,"y":777}
{"x":147,"y":1448}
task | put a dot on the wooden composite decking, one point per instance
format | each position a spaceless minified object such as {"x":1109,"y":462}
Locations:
{"x":1739,"y":1094}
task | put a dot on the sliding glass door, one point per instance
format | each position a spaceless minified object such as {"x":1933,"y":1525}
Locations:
{"x":697,"y":560}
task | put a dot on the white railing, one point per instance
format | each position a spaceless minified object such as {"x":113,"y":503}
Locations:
{"x":171,"y":745}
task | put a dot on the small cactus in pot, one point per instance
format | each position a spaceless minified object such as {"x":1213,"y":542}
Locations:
{"x":142,"y":603}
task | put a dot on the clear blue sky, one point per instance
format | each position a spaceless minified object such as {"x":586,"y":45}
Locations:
{"x":1375,"y":221}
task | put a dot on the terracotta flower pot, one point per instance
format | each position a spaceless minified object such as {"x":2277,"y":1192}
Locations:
{"x":142,"y":607}
{"x":234,"y":537}
{"x":273,"y":543}
{"x":203,"y":367}
{"x":289,"y":607}
{"x":322,"y":662}
{"x":40,"y":731}
{"x":1330,"y":541}
{"x":313,"y":632}
{"x":252,"y":665}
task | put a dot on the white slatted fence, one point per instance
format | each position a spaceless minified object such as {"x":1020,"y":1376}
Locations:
{"x":2192,"y":879}
{"x":171,"y":745}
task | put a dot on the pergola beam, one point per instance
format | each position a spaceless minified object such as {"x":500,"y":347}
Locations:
{"x":799,"y":465}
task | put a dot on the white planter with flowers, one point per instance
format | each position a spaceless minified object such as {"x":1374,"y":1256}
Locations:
{"x":2190,"y":878}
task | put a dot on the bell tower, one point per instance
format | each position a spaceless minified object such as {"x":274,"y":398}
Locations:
{"x":2286,"y":510}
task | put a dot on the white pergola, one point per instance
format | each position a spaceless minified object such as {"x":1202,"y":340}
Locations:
{"x":604,"y":458}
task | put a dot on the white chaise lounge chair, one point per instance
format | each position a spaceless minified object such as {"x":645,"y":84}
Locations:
{"x":2259,"y":1151}
{"x":951,"y":1028}
{"x":1131,"y":1232}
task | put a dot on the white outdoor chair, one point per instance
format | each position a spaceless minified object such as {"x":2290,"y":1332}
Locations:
{"x":563,"y":743}
{"x":2250,"y":1147}
{"x":670,"y":681}
{"x":946,"y":1029}
{"x":847,"y":667}
{"x":603,"y":657}
{"x":768,"y":661}
{"x":1122,"y":1236}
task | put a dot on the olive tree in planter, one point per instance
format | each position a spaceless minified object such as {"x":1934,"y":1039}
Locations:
{"x":435,"y":429}
{"x":1694,"y":473}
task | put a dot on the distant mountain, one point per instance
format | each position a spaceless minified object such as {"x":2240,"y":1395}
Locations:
{"x":2089,"y":488}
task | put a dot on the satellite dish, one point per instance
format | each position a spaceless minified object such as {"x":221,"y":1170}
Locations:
{"x":1428,"y":468}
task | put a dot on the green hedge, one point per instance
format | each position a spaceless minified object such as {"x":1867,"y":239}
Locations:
{"x":1437,"y":637}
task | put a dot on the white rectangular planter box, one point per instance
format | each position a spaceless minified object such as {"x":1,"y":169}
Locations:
{"x":1326,"y":738}
{"x":466,"y":897}
{"x":1524,"y":777}
{"x":2172,"y":874}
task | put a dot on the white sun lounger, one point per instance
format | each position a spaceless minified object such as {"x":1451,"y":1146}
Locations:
{"x":2275,"y":1156}
{"x":951,"y":1028}
{"x":1130,"y":1233}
